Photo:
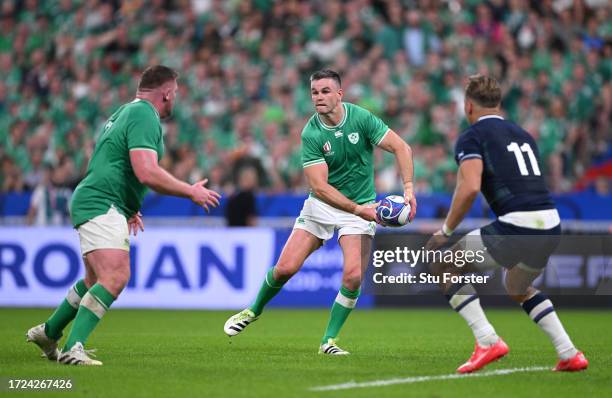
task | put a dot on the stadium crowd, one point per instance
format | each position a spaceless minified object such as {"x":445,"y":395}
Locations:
{"x":66,"y":65}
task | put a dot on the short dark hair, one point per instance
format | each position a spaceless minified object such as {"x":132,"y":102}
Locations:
{"x":483,"y":90}
{"x":156,"y":76}
{"x":326,"y":74}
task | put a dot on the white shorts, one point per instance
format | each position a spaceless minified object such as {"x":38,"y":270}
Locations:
{"x":107,"y":231}
{"x":321,"y":219}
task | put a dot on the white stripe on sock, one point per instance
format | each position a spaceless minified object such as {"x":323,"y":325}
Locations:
{"x":539,"y":308}
{"x":345,"y":301}
{"x":270,"y":284}
{"x":73,"y":298}
{"x":90,"y":302}
{"x":458,"y":299}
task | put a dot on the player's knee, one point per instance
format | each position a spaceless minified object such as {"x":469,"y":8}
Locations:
{"x":520,"y":293}
{"x":352,"y":279}
{"x":118,"y":282}
{"x":116,"y":279}
{"x":515,"y":291}
{"x":90,"y":280}
{"x":285,"y":270}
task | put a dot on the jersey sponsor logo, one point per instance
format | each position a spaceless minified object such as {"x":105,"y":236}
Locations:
{"x":327,"y":147}
{"x":338,"y":134}
{"x":353,"y":138}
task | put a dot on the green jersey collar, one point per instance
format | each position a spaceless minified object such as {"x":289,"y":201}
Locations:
{"x":148,"y":103}
{"x":326,"y":127}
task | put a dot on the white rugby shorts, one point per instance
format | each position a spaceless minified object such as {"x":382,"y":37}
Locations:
{"x":321,"y":219}
{"x":106,"y":231}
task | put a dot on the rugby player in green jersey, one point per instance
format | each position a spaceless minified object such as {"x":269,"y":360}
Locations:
{"x":337,"y":156}
{"x":105,"y":210}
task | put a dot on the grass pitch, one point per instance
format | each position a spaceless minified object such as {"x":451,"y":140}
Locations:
{"x":186,"y":354}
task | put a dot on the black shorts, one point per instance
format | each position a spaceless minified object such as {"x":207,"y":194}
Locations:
{"x":510,"y":245}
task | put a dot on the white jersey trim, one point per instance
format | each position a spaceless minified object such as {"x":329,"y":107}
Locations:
{"x":490,"y":117}
{"x":538,"y":219}
{"x":142,"y":149}
{"x":383,"y":137}
{"x":470,"y":156}
{"x":313,"y":162}
{"x":326,"y":127}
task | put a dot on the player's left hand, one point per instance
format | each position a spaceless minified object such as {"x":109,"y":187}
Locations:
{"x":437,"y":240}
{"x":135,"y":223}
{"x":410,"y":199}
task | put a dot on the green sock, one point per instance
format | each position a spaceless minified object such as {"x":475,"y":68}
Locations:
{"x":66,"y":311}
{"x":344,"y":304}
{"x":93,"y":306}
{"x":269,"y":288}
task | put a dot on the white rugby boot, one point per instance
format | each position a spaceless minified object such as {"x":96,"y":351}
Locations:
{"x":236,"y":323}
{"x":47,"y":345}
{"x":331,"y":348}
{"x":78,"y":356}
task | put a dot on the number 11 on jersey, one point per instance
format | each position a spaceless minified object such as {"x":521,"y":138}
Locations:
{"x":520,"y":159}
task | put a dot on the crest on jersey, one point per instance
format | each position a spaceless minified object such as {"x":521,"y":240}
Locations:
{"x":353,"y":138}
{"x":326,"y":147}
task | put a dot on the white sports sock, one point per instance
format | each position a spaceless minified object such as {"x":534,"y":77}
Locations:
{"x":542,"y":312}
{"x":466,"y":302}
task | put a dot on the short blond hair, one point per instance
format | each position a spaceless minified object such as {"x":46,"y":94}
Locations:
{"x":483,"y":90}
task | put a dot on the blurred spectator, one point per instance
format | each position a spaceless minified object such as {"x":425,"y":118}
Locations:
{"x":65,"y":65}
{"x":602,"y":186}
{"x":50,"y":200}
{"x":11,"y":177}
{"x":325,"y":49}
{"x":241,"y":209}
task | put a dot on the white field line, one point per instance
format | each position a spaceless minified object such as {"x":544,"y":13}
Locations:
{"x":419,"y":379}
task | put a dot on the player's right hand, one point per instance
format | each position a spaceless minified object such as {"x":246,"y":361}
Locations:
{"x":409,"y":199}
{"x":204,"y":197}
{"x":437,"y":240}
{"x":367,"y":212}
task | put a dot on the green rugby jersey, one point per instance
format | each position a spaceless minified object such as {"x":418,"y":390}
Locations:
{"x":110,"y":179}
{"x":347,"y":149}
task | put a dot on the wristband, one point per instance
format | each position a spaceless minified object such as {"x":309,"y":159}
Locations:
{"x":446,"y":230}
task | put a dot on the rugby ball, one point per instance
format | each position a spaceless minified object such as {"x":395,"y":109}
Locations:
{"x":392,"y":211}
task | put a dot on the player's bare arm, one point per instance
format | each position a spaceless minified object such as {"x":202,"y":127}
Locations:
{"x":469,"y":178}
{"x":148,"y":172}
{"x":394,"y":144}
{"x":316,"y":175}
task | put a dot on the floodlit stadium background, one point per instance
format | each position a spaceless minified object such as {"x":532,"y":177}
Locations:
{"x":66,"y":65}
{"x":243,"y":100}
